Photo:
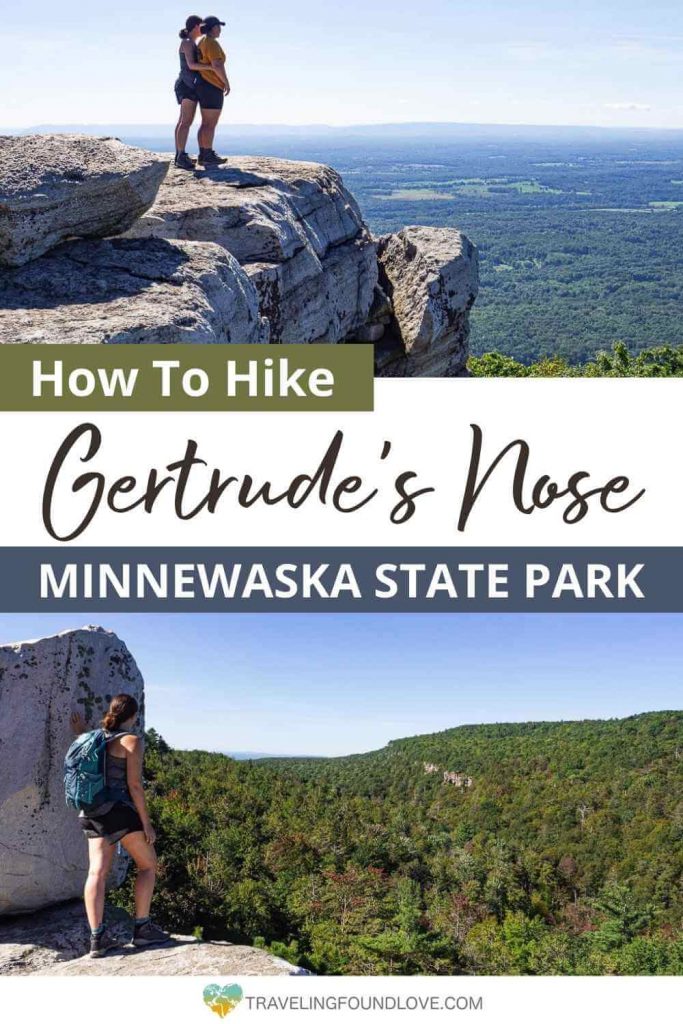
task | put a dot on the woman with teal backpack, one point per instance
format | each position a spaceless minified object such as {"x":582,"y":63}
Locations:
{"x":119,"y":816}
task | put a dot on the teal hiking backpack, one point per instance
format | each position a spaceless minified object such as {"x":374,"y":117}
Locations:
{"x":85,"y":771}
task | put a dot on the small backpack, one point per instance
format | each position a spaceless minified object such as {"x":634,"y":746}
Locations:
{"x":85,"y":771}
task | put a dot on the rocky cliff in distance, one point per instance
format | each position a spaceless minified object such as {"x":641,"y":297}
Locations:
{"x":43,"y":855}
{"x":261,"y":250}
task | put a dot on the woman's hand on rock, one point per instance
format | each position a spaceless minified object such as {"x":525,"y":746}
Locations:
{"x":77,"y":722}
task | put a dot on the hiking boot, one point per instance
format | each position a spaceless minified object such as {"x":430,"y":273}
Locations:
{"x":102,"y":944}
{"x":149,"y":934}
{"x":184,"y":162}
{"x":210,"y":158}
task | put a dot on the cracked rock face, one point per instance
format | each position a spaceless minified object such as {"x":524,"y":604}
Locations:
{"x":431,"y":277}
{"x":134,"y":292}
{"x":295,"y":229}
{"x":54,"y":187}
{"x":43,"y":854}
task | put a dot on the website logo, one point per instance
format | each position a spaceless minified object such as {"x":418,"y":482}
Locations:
{"x":222,"y":999}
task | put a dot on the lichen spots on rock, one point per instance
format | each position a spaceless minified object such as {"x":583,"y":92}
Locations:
{"x":64,"y":673}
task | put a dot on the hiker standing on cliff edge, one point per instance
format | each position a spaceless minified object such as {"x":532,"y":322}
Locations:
{"x":186,"y":88}
{"x":212,"y":87}
{"x":103,"y":778}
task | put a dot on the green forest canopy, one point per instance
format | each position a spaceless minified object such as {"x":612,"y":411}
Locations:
{"x":564,"y":856}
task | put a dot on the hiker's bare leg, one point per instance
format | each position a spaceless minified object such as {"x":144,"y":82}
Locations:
{"x":207,"y":128}
{"x":144,"y":855}
{"x":101,"y":855}
{"x":188,"y":109}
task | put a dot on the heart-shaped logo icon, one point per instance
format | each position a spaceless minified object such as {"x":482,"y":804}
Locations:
{"x":222,"y":999}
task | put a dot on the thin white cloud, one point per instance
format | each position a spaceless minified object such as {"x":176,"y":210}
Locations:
{"x":627,"y":106}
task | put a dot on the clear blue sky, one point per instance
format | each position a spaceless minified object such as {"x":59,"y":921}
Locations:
{"x":335,"y":684}
{"x":615,"y":62}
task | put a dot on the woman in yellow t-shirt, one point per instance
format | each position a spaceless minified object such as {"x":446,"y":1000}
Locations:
{"x":212,"y":87}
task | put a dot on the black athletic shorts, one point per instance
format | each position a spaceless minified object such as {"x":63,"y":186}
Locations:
{"x":210,"y":96}
{"x":183,"y":91}
{"x":119,"y":821}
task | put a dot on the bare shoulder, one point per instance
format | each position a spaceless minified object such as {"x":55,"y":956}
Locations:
{"x":132,"y":744}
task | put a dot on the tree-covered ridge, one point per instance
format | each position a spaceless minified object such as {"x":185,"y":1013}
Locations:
{"x":662,"y":361}
{"x":563,"y":856}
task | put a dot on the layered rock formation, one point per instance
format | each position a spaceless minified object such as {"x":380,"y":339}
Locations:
{"x":56,"y":941}
{"x":43,"y":855}
{"x":296,"y":262}
{"x":133,"y":292}
{"x":293,"y":227}
{"x":54,"y":187}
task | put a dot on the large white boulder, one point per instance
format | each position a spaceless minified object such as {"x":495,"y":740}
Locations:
{"x":43,"y":854}
{"x":54,"y":187}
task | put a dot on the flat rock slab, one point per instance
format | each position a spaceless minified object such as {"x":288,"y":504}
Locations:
{"x":185,"y":956}
{"x":54,"y":187}
{"x":124,"y":291}
{"x":293,"y":226}
{"x":56,"y":941}
{"x":43,"y":854}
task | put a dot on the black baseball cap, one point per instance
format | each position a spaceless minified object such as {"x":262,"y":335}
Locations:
{"x":210,"y":23}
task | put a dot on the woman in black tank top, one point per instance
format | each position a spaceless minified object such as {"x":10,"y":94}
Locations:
{"x":185,"y":89}
{"x":123,"y":819}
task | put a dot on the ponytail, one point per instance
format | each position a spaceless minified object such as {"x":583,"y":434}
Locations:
{"x":120,"y":710}
{"x":190,"y":26}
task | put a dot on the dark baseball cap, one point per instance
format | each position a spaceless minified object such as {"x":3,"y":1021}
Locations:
{"x":210,"y":23}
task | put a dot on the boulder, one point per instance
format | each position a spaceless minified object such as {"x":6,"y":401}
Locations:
{"x":43,"y":854}
{"x":135,"y":292}
{"x":294,"y":228}
{"x":55,"y":942}
{"x":54,"y":187}
{"x":431,"y":278}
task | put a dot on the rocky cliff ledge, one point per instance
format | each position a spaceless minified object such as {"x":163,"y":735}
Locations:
{"x":55,"y":942}
{"x":261,"y":250}
{"x":43,"y":855}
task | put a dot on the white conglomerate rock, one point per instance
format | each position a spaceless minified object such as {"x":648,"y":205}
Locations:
{"x":56,"y":942}
{"x":122,"y":291}
{"x":431,"y":278}
{"x":296,"y":230}
{"x":54,"y":187}
{"x":43,"y":854}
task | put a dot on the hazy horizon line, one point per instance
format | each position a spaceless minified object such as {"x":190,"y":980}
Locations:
{"x":365,"y":125}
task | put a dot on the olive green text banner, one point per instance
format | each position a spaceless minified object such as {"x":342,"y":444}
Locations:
{"x":282,"y":378}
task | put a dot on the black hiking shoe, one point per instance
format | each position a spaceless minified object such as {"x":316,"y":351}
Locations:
{"x":102,"y":944}
{"x":184,"y":162}
{"x":149,"y":934}
{"x":210,"y":158}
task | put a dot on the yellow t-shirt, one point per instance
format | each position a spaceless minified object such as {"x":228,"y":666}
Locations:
{"x":210,"y":49}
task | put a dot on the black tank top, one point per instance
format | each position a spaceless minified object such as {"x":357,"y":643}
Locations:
{"x":117,"y":773}
{"x":188,"y":76}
